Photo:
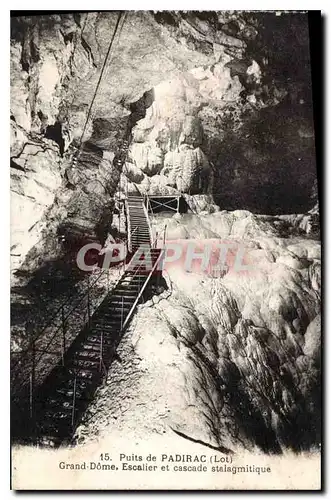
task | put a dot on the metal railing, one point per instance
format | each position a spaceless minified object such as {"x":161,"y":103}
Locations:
{"x":148,"y":221}
{"x":129,"y":241}
{"x":48,"y":347}
{"x":141,"y":290}
{"x":30,"y":366}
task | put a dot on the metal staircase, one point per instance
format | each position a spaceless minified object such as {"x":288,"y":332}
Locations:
{"x":55,"y":407}
{"x":138,"y":223}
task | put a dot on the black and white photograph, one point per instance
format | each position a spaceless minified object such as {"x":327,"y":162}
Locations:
{"x":165,"y":251}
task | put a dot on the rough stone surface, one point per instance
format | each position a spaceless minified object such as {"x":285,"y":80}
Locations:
{"x":215,"y":105}
{"x":222,"y":76}
{"x":231,"y":360}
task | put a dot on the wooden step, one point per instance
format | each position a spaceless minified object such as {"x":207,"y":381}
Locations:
{"x":116,"y":315}
{"x":59,"y":404}
{"x":82,"y":360}
{"x":95,"y":345}
{"x":115,"y":302}
{"x":143,"y":273}
{"x":126,"y":291}
{"x":68,"y":392}
{"x":95,"y":340}
{"x":57,"y":415}
{"x":130,"y":274}
{"x":127,"y":288}
{"x":107,"y":331}
{"x":84,"y":371}
{"x":118,"y":302}
{"x":106,"y":326}
{"x":106,"y":321}
{"x":126,"y":298}
{"x":88,"y":356}
{"x":115,"y":308}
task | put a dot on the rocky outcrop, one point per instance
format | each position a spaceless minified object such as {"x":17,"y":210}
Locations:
{"x":176,"y":138}
{"x":229,"y":361}
{"x":218,"y":72}
{"x":214,"y":105}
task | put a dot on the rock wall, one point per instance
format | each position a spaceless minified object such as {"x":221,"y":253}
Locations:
{"x":196,"y":93}
{"x":216,"y":105}
{"x":232,"y":361}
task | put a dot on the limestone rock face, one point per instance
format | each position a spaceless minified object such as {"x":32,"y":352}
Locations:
{"x":188,"y":170}
{"x":231,"y":360}
{"x":199,"y":103}
{"x":55,"y":65}
{"x":147,"y":157}
{"x":177,"y":138}
{"x":36,"y":177}
{"x":191,"y":89}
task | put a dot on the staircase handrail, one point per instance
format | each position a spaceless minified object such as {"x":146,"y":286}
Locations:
{"x":148,"y":222}
{"x":131,"y":234}
{"x":29,"y":349}
{"x":69,"y":314}
{"x":81,"y":295}
{"x":142,"y":290}
{"x":127,"y":210}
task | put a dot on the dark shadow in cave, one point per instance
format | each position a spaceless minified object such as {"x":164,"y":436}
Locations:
{"x":49,"y":286}
{"x":54,"y":132}
{"x":298,"y":429}
{"x":269,"y":164}
{"x":156,"y":287}
{"x":45,"y":426}
{"x":89,"y":155}
{"x":102,"y":227}
{"x":221,"y":449}
{"x":250,"y":422}
{"x":138,"y":108}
